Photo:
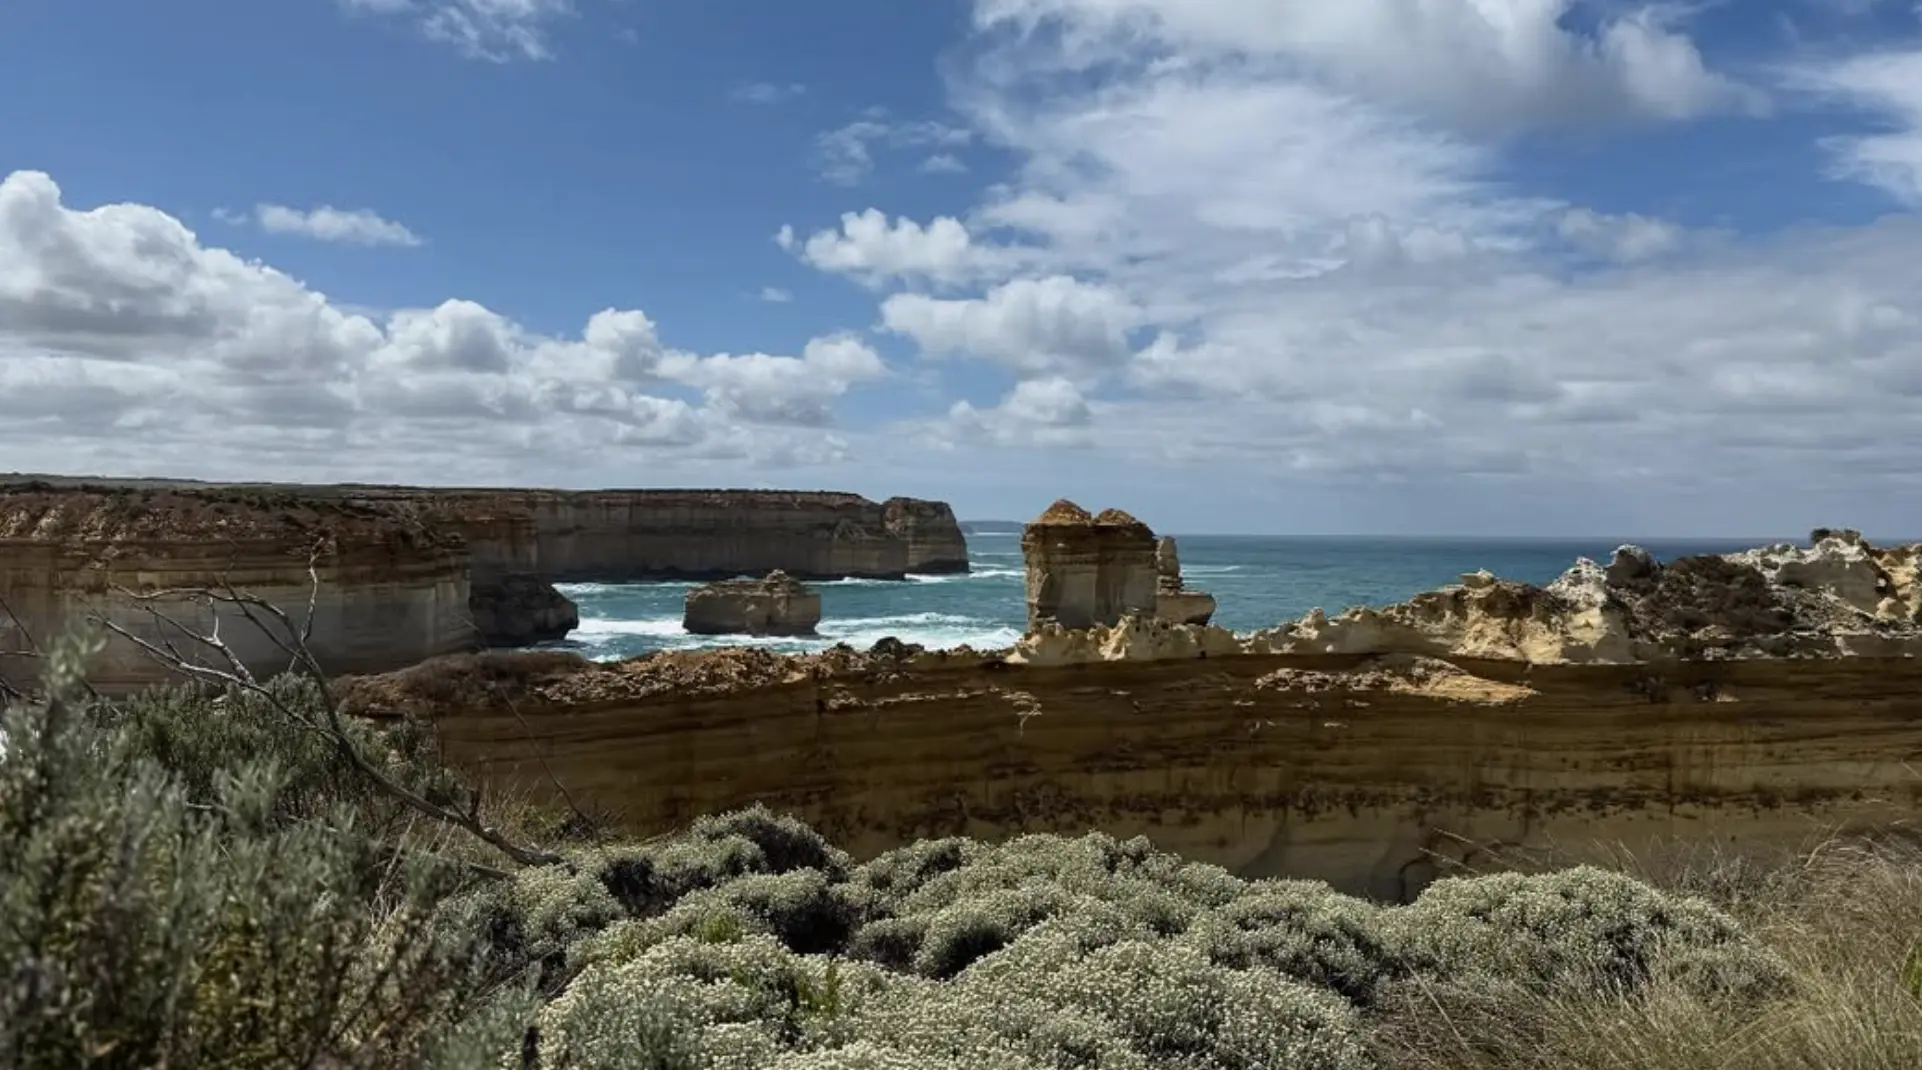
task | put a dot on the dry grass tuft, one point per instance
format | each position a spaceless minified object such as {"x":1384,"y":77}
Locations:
{"x":1845,"y":918}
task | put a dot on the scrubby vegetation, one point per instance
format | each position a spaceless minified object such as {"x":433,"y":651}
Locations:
{"x":196,"y":879}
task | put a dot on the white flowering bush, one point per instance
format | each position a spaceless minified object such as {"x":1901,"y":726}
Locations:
{"x":1576,"y":927}
{"x":1303,"y":930}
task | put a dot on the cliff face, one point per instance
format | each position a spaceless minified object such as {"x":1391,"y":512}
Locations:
{"x":1084,"y":569}
{"x":1173,"y":600}
{"x":391,"y":590}
{"x":1750,"y":699}
{"x":625,"y":535}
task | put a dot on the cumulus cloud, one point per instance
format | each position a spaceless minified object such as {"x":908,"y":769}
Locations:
{"x":1268,"y":247}
{"x":358,"y":226}
{"x":118,"y":326}
{"x":499,"y":31}
{"x":873,"y":249}
{"x":1030,"y":325}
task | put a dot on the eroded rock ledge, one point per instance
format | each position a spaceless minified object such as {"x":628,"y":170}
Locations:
{"x":1758,"y":699}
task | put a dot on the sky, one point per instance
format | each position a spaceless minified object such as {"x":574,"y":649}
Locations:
{"x":1515,"y":267}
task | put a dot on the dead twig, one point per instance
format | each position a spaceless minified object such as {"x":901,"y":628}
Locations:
{"x":280,"y":630}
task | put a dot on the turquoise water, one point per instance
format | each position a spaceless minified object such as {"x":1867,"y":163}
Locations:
{"x":1257,"y":581}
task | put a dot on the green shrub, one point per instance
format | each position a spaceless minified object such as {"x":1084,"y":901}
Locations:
{"x":1574,"y":928}
{"x":1303,"y":930}
{"x":187,"y":903}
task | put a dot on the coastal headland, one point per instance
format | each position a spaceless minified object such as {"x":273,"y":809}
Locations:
{"x":1762,"y":699}
{"x":399,"y":574}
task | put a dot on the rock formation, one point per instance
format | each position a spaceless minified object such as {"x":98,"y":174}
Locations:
{"x":508,"y":547}
{"x":1173,"y":602}
{"x":777,"y":604}
{"x":934,"y":541}
{"x":1763,"y":698}
{"x":516,"y":609}
{"x":387,"y":589}
{"x":620,"y":536}
{"x":1084,"y":570}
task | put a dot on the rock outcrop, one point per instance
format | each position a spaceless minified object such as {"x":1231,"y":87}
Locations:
{"x":1759,"y":699}
{"x":1173,"y":601}
{"x":934,"y":542}
{"x":1085,"y":570}
{"x":519,"y":610}
{"x":386,"y":588}
{"x":776,"y":604}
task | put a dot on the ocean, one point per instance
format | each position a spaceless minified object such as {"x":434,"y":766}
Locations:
{"x":1257,"y":581}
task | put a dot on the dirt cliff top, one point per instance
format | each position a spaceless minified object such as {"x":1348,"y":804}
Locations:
{"x":122,"y":515}
{"x":1064,"y":513}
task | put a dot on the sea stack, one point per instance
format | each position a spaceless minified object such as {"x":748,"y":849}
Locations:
{"x":1084,"y":570}
{"x":776,"y":605}
{"x":1173,"y":602}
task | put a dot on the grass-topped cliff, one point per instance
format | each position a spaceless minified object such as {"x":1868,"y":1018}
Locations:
{"x":223,"y":880}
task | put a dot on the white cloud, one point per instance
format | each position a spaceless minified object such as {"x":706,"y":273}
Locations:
{"x":943,"y":163}
{"x":781,"y":390}
{"x":499,"y":31}
{"x":1048,"y":411}
{"x":1032,"y":325}
{"x":776,"y":295}
{"x":871,"y":248}
{"x":845,"y":155}
{"x":1888,"y":85}
{"x":1481,"y":64}
{"x":140,"y":350}
{"x":1289,"y":278}
{"x":359,"y":226}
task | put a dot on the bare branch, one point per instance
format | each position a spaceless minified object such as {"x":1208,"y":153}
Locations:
{"x":279,"y":629}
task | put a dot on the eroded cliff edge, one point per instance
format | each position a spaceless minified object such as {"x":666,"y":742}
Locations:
{"x":417,"y":572}
{"x":385,"y":586}
{"x":1753,"y":700}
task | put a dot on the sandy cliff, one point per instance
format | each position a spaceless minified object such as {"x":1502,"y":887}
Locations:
{"x":1754,"y":700}
{"x":391,"y":588}
{"x":613,"y":536}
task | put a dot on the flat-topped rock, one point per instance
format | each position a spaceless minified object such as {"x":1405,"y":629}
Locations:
{"x":778,"y":604}
{"x":1173,"y":600}
{"x":1085,"y":570}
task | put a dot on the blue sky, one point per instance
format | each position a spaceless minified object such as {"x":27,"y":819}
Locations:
{"x":1405,"y":266}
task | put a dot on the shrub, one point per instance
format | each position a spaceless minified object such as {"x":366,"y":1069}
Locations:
{"x":1303,"y":930}
{"x":181,"y":903}
{"x":1576,"y":927}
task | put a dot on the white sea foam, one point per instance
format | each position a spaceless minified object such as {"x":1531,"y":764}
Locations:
{"x":609,"y":637}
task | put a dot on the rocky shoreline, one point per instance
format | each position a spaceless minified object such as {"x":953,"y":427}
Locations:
{"x":1754,"y":699}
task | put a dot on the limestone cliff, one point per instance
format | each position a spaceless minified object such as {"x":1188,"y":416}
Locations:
{"x":776,"y":604}
{"x":387,"y":588}
{"x":615,"y":536}
{"x":1758,"y":699}
{"x":1173,"y":600}
{"x":1087,"y":569}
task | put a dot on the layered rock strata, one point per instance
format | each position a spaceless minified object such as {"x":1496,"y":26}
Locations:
{"x":384,"y":588}
{"x":1086,"y":569}
{"x":776,"y":604}
{"x":1173,"y":601}
{"x":619,"y":536}
{"x":1757,"y":701}
{"x":519,"y":542}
